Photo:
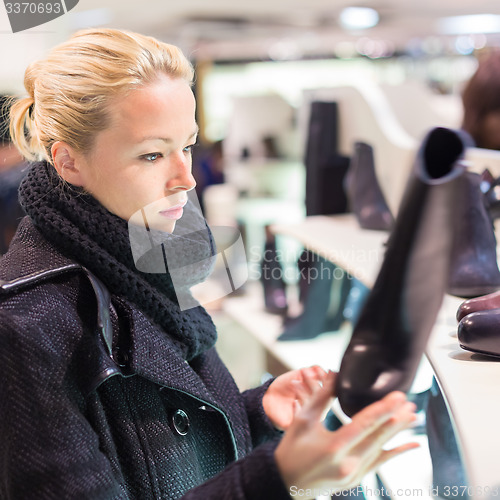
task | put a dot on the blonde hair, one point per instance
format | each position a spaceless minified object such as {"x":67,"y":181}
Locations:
{"x":70,"y":90}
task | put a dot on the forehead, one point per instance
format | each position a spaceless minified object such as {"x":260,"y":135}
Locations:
{"x":165,"y":103}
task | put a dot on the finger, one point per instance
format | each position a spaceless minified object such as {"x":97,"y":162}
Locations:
{"x":314,"y":405}
{"x":386,"y":455}
{"x":301,"y":390}
{"x":369,"y":419}
{"x":319,"y":372}
{"x":312,"y":376}
{"x":379,"y":459}
{"x":370,"y":452}
{"x":373,"y":443}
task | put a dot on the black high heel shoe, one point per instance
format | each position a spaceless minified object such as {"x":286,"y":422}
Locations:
{"x":391,"y":333}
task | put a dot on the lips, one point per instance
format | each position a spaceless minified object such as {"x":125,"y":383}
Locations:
{"x":174,"y":212}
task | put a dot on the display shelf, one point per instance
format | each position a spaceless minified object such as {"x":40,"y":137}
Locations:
{"x":325,"y":350}
{"x":469,"y":382}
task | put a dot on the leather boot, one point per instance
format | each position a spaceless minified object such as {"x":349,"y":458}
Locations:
{"x":271,"y":277}
{"x":323,"y":304}
{"x":364,"y":195}
{"x":325,"y":166}
{"x":478,"y":332}
{"x":483,"y":303}
{"x":474,"y":270}
{"x":391,"y":333}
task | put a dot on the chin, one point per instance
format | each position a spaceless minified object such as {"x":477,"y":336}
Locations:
{"x":167,"y":226}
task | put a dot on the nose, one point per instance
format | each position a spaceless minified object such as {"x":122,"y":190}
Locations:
{"x":180,"y":177}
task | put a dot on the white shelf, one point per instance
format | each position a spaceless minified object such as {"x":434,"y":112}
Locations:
{"x":339,"y":240}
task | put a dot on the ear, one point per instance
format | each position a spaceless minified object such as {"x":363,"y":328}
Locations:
{"x":67,"y":163}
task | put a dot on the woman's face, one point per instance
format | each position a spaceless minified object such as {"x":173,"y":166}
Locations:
{"x":139,"y":168}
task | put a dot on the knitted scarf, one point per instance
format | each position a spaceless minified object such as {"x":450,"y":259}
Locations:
{"x":82,"y":229}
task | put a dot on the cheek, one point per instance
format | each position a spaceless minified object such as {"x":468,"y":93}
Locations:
{"x":131,"y":193}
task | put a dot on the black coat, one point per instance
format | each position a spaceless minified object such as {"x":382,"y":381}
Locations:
{"x":162,"y":428}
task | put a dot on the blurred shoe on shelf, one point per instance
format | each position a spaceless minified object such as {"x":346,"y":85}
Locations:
{"x":365,"y":198}
{"x":474,"y":270}
{"x":479,"y":332}
{"x":325,"y":166}
{"x":482,"y":303}
{"x":324,"y":294}
{"x":271,"y":277}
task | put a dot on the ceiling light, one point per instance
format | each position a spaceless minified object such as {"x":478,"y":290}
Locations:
{"x":467,"y":25}
{"x":464,"y":45}
{"x":358,"y":18}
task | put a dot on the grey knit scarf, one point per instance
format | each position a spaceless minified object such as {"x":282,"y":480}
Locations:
{"x":82,"y":229}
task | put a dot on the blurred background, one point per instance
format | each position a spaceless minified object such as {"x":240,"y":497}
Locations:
{"x":388,"y":71}
{"x":285,"y":46}
{"x":395,"y":68}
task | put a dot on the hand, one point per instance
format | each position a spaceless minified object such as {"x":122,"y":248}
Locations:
{"x":311,"y":457}
{"x":289,"y":389}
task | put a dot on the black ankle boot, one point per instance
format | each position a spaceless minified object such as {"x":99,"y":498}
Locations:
{"x":391,"y":333}
{"x":272,"y":278}
{"x":473,"y":269}
{"x":323,"y":307}
{"x":364,"y":195}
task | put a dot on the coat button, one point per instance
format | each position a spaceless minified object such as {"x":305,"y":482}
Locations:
{"x":121,"y":357}
{"x":180,"y":422}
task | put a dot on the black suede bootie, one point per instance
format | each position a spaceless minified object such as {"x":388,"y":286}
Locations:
{"x":391,"y":333}
{"x":474,"y":270}
{"x":364,"y":195}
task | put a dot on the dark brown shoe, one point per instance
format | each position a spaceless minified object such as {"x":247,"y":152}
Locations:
{"x":479,"y":332}
{"x":483,"y":303}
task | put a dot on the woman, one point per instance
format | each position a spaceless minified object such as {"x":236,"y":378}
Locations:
{"x":152,"y":412}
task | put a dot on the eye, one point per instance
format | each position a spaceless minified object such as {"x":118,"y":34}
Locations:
{"x":151,"y":157}
{"x":189,"y":149}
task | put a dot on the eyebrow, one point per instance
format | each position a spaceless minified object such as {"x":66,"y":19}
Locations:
{"x":166,"y":139}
